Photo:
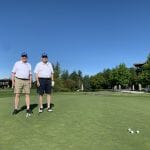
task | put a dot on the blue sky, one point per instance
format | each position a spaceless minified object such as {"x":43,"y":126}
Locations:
{"x":86,"y":35}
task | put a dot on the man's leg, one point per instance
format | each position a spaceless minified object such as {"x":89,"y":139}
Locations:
{"x":27,"y":98}
{"x":40,"y":91}
{"x":26,"y":90}
{"x":41,"y":101}
{"x":48,"y":92}
{"x":16,"y":100}
{"x":17,"y":91}
{"x":48,"y":103}
{"x":48,"y":100}
{"x":16,"y":104}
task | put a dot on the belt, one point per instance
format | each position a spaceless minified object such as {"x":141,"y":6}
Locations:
{"x":45,"y":78}
{"x":22,"y":78}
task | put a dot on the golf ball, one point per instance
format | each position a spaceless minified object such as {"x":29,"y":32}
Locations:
{"x":129,"y":129}
{"x":28,"y":115}
{"x":137,"y":131}
{"x":131,"y":132}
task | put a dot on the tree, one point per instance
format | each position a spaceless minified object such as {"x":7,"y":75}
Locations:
{"x":106,"y":75}
{"x":133,"y":78}
{"x":77,"y":78}
{"x":65,"y":75}
{"x":144,"y":77}
{"x":67,"y":85}
{"x":57,"y":72}
{"x":120,"y":76}
{"x":97,"y":81}
{"x":70,"y":84}
{"x":86,"y":83}
{"x":148,"y":58}
{"x":114,"y":77}
{"x":80,"y":79}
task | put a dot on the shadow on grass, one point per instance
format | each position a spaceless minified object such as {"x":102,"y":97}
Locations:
{"x":45,"y":105}
{"x":32,"y":107}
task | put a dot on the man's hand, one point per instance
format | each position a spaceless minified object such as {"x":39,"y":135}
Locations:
{"x":38,"y":84}
{"x":53,"y":83}
{"x":13,"y":84}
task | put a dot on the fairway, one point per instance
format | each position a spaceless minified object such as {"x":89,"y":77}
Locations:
{"x":91,"y":121}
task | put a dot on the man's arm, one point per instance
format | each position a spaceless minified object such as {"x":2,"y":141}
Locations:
{"x":52,"y":72}
{"x":36,"y":70}
{"x":30,"y":78}
{"x":37,"y":79}
{"x":52,"y":76}
{"x":13,"y":79}
{"x":13,"y":75}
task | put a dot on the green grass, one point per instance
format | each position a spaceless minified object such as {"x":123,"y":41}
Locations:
{"x":92,"y":121}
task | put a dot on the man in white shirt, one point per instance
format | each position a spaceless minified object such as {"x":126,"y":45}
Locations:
{"x":45,"y":80}
{"x":21,"y":81}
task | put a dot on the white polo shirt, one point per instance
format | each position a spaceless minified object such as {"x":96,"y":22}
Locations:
{"x":22,"y":70}
{"x":44,"y":70}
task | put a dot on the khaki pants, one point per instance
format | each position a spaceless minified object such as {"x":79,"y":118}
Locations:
{"x":22,"y":86}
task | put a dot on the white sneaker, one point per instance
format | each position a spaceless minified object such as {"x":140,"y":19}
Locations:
{"x":40,"y":110}
{"x":49,"y":110}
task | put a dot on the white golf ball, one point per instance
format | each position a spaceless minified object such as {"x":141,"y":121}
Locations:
{"x":131,"y":132}
{"x":28,"y":115}
{"x":129,"y":129}
{"x":137,"y":131}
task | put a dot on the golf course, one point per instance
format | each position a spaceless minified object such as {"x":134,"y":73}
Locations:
{"x":80,"y":121}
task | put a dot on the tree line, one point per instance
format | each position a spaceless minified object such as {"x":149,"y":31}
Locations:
{"x":107,"y":79}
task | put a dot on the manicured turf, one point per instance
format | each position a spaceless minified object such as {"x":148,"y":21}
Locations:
{"x":93,"y":121}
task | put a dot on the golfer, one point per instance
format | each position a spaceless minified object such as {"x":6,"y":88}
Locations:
{"x":21,"y":81}
{"x":45,"y":80}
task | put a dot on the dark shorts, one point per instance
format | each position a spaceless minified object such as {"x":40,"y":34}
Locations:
{"x":45,"y":86}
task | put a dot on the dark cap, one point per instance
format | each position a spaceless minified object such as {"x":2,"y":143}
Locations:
{"x":24,"y":54}
{"x":44,"y":55}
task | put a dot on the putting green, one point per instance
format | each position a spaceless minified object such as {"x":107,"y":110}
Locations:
{"x":80,"y":121}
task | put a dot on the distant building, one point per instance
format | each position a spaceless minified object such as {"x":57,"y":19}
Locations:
{"x":138,"y":67}
{"x":5,"y":83}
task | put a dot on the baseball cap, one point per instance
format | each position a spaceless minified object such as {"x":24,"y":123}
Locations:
{"x":44,"y":55}
{"x":24,"y":54}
